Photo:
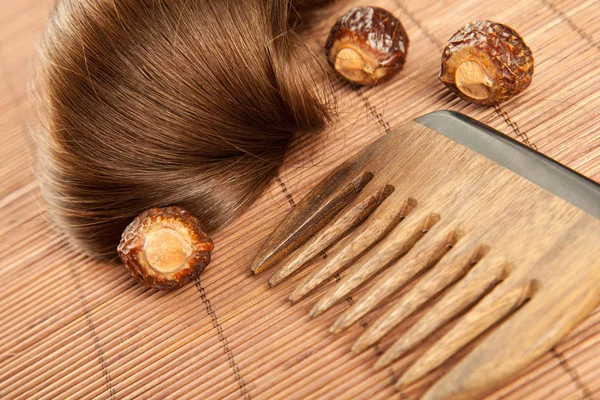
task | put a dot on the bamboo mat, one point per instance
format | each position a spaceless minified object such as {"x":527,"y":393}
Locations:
{"x":71,"y":327}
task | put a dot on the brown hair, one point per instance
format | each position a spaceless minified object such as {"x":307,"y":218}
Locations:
{"x":153,"y":103}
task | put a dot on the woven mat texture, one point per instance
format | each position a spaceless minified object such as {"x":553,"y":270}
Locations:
{"x":71,"y":327}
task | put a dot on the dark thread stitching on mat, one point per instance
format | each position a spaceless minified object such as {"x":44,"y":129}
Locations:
{"x":562,"y":360}
{"x":584,"y":35}
{"x":224,"y":342}
{"x":410,"y":15}
{"x":375,"y":347}
{"x":90,"y":322}
{"x":404,"y":396}
{"x":377,"y":350}
{"x":521,"y":135}
{"x":393,"y":377}
{"x":374,"y":112}
{"x":287,"y":194}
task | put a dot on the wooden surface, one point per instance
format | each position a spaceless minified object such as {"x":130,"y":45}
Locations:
{"x":528,"y":260}
{"x":76,"y":328}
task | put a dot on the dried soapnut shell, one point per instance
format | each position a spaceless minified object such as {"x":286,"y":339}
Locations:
{"x":165,"y":248}
{"x":486,"y":63}
{"x":367,"y":45}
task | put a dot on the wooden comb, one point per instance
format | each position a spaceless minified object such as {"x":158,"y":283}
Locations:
{"x":510,"y":238}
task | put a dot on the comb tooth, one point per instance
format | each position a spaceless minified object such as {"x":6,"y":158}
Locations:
{"x":450,"y":268}
{"x":427,"y":252}
{"x":479,"y":280}
{"x":331,"y":234}
{"x":491,"y":310}
{"x":396,"y":244}
{"x":564,"y":298}
{"x":308,"y":219}
{"x":355,"y":244}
